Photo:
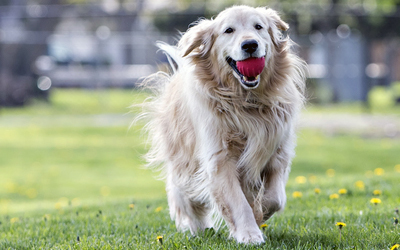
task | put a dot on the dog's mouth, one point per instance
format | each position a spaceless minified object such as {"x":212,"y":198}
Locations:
{"x":248,"y":70}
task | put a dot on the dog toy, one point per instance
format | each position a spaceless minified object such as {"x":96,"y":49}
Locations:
{"x":251,"y":67}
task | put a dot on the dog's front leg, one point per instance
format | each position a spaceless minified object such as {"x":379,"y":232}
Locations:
{"x":232,"y":203}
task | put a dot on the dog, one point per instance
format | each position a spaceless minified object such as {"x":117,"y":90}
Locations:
{"x":222,"y":124}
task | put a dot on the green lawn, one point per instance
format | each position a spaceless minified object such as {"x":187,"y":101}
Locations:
{"x":70,"y":171}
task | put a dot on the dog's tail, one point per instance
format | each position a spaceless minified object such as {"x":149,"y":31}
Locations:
{"x":172,"y":53}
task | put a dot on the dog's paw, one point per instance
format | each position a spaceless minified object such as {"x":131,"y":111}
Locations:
{"x":253,"y":236}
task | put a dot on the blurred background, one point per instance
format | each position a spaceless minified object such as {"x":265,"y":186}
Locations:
{"x":352,"y":46}
{"x":69,"y":70}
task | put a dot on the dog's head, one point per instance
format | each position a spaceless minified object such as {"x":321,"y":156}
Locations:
{"x":240,"y":41}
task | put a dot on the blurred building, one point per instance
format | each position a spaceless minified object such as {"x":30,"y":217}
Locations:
{"x":351,"y":46}
{"x":61,"y":44}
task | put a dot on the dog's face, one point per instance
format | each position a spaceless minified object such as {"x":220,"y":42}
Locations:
{"x":241,"y":40}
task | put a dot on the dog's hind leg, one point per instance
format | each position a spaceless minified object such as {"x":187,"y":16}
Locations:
{"x":187,"y":213}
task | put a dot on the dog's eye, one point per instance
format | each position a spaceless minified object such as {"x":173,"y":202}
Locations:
{"x":258,"y":27}
{"x":228,"y":30}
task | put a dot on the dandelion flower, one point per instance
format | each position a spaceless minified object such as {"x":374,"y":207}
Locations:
{"x":263,"y":226}
{"x":379,"y":171}
{"x":360,"y":185}
{"x":11,"y":187}
{"x":397,"y":168}
{"x":131,"y":206}
{"x":301,"y":179}
{"x":395,"y":247}
{"x":14,"y":220}
{"x":375,"y":201}
{"x":297,"y":194}
{"x":75,"y":202}
{"x":330,"y":172}
{"x":159,"y":239}
{"x":312,"y":178}
{"x":340,"y":224}
{"x":58,"y":205}
{"x":343,"y":191}
{"x":46,"y":217}
{"x":377,"y":192}
{"x":333,"y":196}
{"x":31,"y":193}
{"x":317,"y":191}
{"x":158,"y":209}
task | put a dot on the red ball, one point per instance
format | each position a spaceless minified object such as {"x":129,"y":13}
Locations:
{"x":251,"y":67}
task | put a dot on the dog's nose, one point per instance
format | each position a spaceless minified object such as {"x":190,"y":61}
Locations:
{"x":249,"y":46}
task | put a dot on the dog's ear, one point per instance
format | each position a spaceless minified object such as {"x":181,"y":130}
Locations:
{"x":272,"y":14}
{"x":199,"y":37}
{"x":276,"y":25}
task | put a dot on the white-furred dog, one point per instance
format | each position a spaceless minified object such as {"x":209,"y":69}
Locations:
{"x":222,"y":126}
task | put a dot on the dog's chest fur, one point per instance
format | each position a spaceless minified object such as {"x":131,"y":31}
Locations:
{"x":253,"y":132}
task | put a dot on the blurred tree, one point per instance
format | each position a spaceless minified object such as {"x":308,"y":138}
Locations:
{"x":374,"y":18}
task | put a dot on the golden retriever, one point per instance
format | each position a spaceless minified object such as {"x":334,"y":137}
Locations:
{"x":222,"y":128}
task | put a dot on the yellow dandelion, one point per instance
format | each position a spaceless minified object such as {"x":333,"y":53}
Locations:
{"x":317,"y":191}
{"x":64,"y":201}
{"x":131,"y":206}
{"x":58,"y":205}
{"x":297,"y":194}
{"x":360,"y":185}
{"x":301,"y":179}
{"x":263,"y":226}
{"x":31,"y":193}
{"x":14,"y":220}
{"x":377,"y":192}
{"x":379,"y":171}
{"x":158,"y":209}
{"x":375,"y":201}
{"x":159,"y":239}
{"x":312,"y":178}
{"x":11,"y":187}
{"x":333,"y":196}
{"x":397,"y":168}
{"x":342,"y":191}
{"x":330,"y":172}
{"x":46,"y":217}
{"x":395,"y":247}
{"x":75,"y":202}
{"x":340,"y":224}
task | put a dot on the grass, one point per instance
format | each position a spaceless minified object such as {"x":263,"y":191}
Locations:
{"x":353,"y":108}
{"x":70,"y":170}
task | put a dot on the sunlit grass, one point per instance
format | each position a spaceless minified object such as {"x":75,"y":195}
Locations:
{"x":352,"y":108}
{"x":81,"y":102}
{"x":71,"y":182}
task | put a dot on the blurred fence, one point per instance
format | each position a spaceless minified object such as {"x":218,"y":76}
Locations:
{"x":55,"y":45}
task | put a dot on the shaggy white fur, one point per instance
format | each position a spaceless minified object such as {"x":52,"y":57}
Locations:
{"x":223,"y":142}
